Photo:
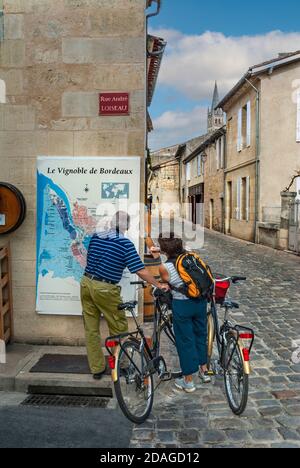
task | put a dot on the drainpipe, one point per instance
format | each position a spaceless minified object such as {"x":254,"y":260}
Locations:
{"x":257,"y":159}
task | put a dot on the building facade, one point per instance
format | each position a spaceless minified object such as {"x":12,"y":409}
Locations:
{"x":163,"y":177}
{"x":192,"y":173}
{"x":263,"y":152}
{"x":203,"y":172}
{"x":55,"y":59}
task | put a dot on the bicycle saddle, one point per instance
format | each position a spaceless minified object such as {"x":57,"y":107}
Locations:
{"x":228,"y":304}
{"x":128,"y":305}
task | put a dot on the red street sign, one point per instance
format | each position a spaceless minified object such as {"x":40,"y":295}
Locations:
{"x":114,"y":104}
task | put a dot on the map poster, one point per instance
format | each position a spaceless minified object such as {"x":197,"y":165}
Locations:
{"x":75,"y":198}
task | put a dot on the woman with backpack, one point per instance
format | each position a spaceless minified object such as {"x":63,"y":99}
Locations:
{"x":189,"y":317}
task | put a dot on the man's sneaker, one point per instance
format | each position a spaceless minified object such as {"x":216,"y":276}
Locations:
{"x":188,"y":387}
{"x":99,"y":375}
{"x":204,"y":377}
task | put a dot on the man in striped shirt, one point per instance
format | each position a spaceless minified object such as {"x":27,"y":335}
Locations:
{"x":109,"y":254}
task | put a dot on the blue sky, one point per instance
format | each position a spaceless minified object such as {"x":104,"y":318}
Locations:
{"x":210,"y":41}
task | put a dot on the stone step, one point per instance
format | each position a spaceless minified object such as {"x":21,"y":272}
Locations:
{"x":16,"y":375}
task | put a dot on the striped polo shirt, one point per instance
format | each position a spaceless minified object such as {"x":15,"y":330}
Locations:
{"x":109,"y":253}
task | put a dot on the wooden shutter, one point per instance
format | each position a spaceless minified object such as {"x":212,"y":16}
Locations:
{"x":223,"y":152}
{"x":238,"y":199}
{"x":248,"y":123}
{"x":239,"y":137}
{"x":199,"y":165}
{"x":298,"y":116}
{"x":218,"y":154}
{"x":2,"y":92}
{"x":188,"y":172}
{"x":248,"y":199}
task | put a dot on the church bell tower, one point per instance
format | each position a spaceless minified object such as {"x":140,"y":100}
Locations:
{"x":215,"y":116}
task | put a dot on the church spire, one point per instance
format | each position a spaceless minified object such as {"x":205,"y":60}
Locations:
{"x":216,"y":99}
{"x":215,"y":117}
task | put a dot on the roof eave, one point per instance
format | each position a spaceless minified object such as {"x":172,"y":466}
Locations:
{"x":211,"y":139}
{"x":256,"y":71}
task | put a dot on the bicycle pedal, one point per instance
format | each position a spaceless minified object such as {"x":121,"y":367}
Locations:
{"x":165,"y":377}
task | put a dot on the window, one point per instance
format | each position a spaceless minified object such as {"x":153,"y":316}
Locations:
{"x":188,"y":172}
{"x":2,"y":92}
{"x":239,"y":137}
{"x":202,"y":164}
{"x":229,"y":201}
{"x":298,"y":188}
{"x":238,"y":216}
{"x":221,"y":152}
{"x":199,"y":160}
{"x":298,"y":115}
{"x":1,"y":24}
{"x":244,"y":127}
{"x":243,"y":199}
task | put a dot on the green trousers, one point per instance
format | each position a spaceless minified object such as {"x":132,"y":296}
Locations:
{"x":100,"y":299}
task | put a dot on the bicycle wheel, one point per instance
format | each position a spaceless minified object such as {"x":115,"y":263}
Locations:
{"x":236,"y":381}
{"x":134,"y":389}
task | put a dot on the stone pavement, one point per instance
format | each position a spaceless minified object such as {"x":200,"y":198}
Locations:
{"x":270,"y":303}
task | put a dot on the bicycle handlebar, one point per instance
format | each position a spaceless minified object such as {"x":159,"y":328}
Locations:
{"x":139,"y":283}
{"x":233,"y":279}
{"x":237,"y":279}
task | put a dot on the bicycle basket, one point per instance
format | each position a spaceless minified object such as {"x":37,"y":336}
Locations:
{"x":221,"y":288}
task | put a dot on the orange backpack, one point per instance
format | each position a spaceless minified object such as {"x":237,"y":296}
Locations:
{"x":196,"y":275}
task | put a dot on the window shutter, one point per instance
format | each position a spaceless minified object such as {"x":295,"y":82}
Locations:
{"x":248,"y":123}
{"x":2,"y":92}
{"x":238,"y":200}
{"x":239,"y":138}
{"x":248,"y":199}
{"x":199,"y":165}
{"x":203,"y":167}
{"x":223,"y":152}
{"x":218,"y":154}
{"x":298,"y":116}
{"x":188,"y":172}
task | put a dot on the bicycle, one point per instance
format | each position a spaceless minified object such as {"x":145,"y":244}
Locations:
{"x":234,"y":345}
{"x":134,"y":360}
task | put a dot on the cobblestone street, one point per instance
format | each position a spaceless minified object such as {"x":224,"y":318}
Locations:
{"x":270,"y":304}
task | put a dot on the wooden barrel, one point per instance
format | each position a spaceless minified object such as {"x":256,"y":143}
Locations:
{"x":12,"y":208}
{"x":153,"y":266}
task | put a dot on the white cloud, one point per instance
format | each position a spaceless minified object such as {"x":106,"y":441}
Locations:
{"x":176,"y":127}
{"x":191,"y":65}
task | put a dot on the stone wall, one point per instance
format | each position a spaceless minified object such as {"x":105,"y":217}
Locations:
{"x":56,"y":56}
{"x":213,"y":191}
{"x":164,"y":184}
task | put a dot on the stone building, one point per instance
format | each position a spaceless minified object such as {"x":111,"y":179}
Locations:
{"x":55,"y":59}
{"x":186,"y":163}
{"x":163,"y":176}
{"x":263,"y":152}
{"x":197,"y":187}
{"x":207,"y":166}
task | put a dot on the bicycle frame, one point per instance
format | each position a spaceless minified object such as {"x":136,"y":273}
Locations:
{"x":215,"y":331}
{"x":153,"y":353}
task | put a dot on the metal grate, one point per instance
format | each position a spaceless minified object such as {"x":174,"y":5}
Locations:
{"x":66,"y":401}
